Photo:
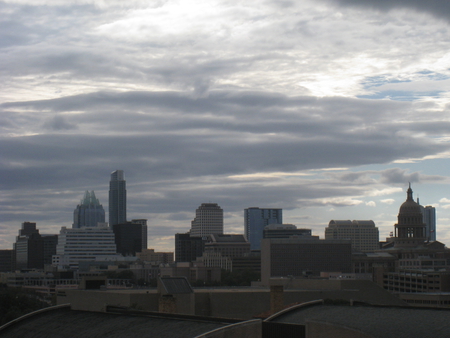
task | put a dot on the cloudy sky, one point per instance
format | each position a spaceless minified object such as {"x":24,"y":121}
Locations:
{"x":325,"y":108}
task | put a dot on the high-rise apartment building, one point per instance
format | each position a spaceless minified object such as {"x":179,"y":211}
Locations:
{"x":363,"y":234}
{"x":208,"y":220}
{"x":256,"y":219}
{"x":117,"y":198}
{"x":89,"y":212}
{"x":429,"y":218}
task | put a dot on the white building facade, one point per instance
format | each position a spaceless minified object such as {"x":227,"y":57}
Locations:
{"x":84,"y":244}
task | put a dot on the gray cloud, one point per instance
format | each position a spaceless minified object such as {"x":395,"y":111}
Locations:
{"x":223,"y":134}
{"x":437,"y":8}
{"x":58,"y":122}
{"x":397,"y":175}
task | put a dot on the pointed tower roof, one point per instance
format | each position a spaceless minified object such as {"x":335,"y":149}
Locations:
{"x":89,"y":199}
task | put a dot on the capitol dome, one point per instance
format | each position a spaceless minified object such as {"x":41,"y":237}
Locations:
{"x":410,"y":207}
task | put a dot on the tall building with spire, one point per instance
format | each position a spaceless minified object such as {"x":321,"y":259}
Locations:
{"x":89,"y":212}
{"x":117,"y":198}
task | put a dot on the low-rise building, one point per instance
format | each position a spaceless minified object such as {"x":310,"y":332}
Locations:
{"x":229,"y":245}
{"x":192,"y":271}
{"x":296,"y":257}
{"x":285,"y":231}
{"x":149,"y":255}
{"x":417,"y":281}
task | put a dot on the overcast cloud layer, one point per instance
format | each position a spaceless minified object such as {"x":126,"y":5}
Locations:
{"x":326,"y":109}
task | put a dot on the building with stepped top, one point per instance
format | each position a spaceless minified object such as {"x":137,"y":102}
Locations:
{"x":84,"y":244}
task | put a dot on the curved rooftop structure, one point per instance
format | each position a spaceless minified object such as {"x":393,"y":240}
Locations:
{"x":366,"y":321}
{"x":64,"y":322}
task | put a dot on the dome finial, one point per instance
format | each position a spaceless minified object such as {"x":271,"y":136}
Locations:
{"x":410,"y":193}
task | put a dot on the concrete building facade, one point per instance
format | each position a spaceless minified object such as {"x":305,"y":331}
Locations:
{"x":228,"y":245}
{"x":297,"y":257}
{"x":149,"y":255}
{"x":364,"y":235}
{"x":417,"y":281}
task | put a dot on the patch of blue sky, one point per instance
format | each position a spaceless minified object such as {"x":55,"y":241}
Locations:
{"x":380,"y":80}
{"x":377,"y":81}
{"x":397,"y":95}
{"x":434,"y":76}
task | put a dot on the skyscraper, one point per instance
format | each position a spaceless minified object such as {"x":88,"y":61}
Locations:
{"x":117,"y":198}
{"x":208,"y":220}
{"x":89,"y":212}
{"x":255,"y":219}
{"x":429,"y":218}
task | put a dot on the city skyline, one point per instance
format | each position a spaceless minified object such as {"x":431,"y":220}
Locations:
{"x":326,"y":109}
{"x":215,"y":205}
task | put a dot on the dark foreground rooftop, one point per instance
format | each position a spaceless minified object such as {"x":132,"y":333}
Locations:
{"x":64,"y":322}
{"x":377,"y":321}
